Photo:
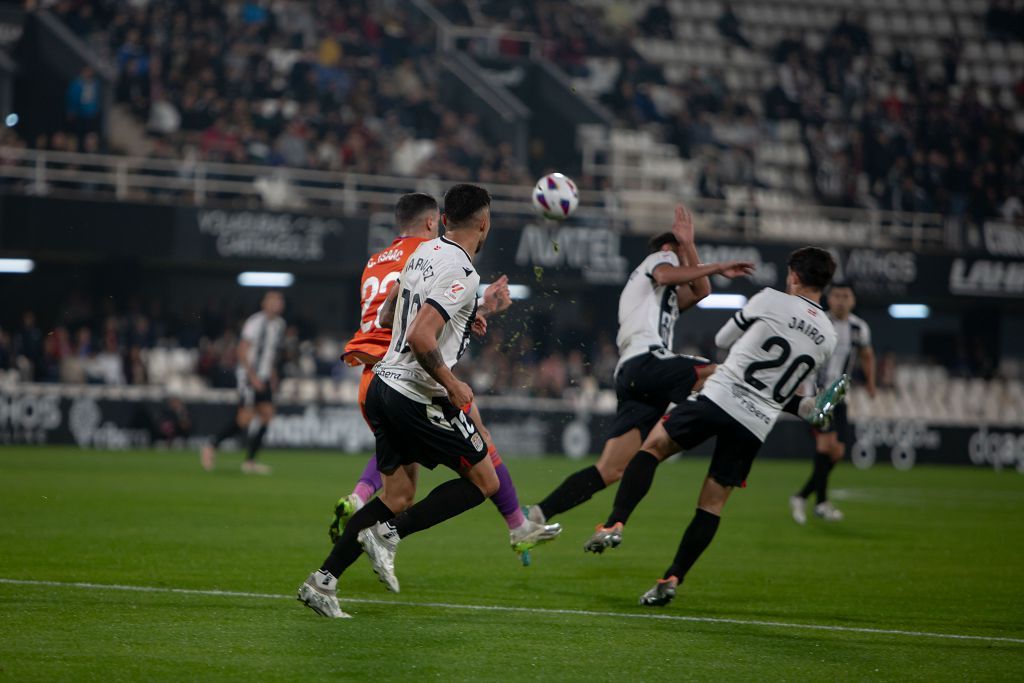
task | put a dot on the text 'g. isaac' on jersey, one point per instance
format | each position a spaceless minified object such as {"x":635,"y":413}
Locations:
{"x":647,"y":311}
{"x":775,"y":342}
{"x":380,"y":274}
{"x":439,"y":274}
{"x":264,"y":336}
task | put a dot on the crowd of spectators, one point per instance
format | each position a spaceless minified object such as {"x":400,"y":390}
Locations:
{"x":882,"y":130}
{"x":309,"y":84}
{"x":97,"y":344}
{"x":355,"y":86}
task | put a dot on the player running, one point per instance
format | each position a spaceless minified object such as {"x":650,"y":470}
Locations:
{"x":649,"y":376}
{"x":776,"y":341}
{"x":416,"y":217}
{"x":256,"y":374}
{"x":853,"y":341}
{"x":415,"y":404}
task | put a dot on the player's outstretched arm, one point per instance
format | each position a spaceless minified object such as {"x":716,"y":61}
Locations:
{"x":665,"y":274}
{"x":422,"y":340}
{"x":497,"y":298}
{"x":740,"y":321}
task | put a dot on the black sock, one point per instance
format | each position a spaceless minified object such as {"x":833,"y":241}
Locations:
{"x":822,"y":468}
{"x":636,"y":482}
{"x":256,"y":441}
{"x":226,"y":433}
{"x":808,"y":488}
{"x":696,"y":539}
{"x":576,"y":489}
{"x":446,"y":501}
{"x":347,"y":549}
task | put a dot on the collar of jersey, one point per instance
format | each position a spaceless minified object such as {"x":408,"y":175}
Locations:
{"x":448,"y":241}
{"x":816,"y":305}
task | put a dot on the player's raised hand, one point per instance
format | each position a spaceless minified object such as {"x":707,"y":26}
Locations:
{"x":734,"y":269}
{"x":479,"y":325}
{"x":497,"y":298}
{"x":460,"y":394}
{"x":682,"y":226}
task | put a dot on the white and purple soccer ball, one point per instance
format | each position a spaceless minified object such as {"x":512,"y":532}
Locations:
{"x":555,"y":196}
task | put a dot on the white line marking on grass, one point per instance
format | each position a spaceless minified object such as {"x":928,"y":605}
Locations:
{"x":524,"y":610}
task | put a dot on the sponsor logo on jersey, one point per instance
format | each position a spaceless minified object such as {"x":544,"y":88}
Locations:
{"x":455,"y":291}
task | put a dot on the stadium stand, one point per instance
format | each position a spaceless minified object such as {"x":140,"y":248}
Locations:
{"x":762,"y":114}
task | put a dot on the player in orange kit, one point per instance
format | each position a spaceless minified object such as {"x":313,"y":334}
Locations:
{"x":417,"y":218}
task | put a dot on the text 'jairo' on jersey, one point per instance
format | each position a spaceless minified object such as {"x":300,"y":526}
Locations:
{"x":439,"y":274}
{"x":647,"y":311}
{"x":775,"y":342}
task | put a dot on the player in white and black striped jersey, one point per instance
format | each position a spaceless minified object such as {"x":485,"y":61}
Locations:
{"x":853,"y":343}
{"x":256,"y":371}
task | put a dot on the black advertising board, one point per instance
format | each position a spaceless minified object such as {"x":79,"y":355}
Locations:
{"x":538,"y":253}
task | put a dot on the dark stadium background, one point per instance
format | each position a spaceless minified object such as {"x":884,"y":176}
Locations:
{"x":154,"y":151}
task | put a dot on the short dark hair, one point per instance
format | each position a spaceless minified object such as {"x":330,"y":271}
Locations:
{"x":813,"y":266}
{"x":462,"y":201}
{"x":658,"y":241}
{"x":843,"y":284}
{"x":411,"y":206}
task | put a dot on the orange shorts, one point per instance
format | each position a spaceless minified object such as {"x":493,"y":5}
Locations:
{"x":364,"y":386}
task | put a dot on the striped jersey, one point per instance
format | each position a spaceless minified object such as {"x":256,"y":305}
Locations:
{"x":265,"y":336}
{"x":439,"y":274}
{"x":647,"y":311}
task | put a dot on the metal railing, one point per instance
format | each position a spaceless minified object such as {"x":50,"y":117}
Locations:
{"x":191,"y":182}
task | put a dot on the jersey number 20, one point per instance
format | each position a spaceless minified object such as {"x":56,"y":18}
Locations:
{"x":780,"y":392}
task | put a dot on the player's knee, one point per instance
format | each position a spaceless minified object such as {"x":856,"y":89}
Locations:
{"x":659,"y":444}
{"x":487,"y":482}
{"x":610,"y":472}
{"x":837,"y":453}
{"x":398,"y":501}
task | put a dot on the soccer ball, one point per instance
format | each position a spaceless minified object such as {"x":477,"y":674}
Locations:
{"x":555,"y":196}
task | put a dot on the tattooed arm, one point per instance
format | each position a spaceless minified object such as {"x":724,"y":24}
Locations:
{"x":422,"y":339}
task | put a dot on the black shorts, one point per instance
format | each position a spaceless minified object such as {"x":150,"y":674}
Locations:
{"x":840,"y":425}
{"x":647,"y":384}
{"x":691,"y":423}
{"x":248,"y":396}
{"x":429,"y":434}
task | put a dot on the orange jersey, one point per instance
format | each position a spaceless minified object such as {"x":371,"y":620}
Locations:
{"x":380,"y":274}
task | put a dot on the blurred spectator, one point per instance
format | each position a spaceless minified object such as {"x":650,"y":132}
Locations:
{"x":729,"y":26}
{"x":28,"y":344}
{"x":82,"y":102}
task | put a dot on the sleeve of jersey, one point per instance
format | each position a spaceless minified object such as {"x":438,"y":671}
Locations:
{"x":740,"y":321}
{"x":452,"y":290}
{"x":249,"y":330}
{"x":865,"y":335}
{"x":659,"y":258}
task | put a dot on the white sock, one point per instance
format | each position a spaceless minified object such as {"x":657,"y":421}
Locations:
{"x":327,"y":580}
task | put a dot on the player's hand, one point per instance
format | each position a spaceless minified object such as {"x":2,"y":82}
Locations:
{"x":460,"y":394}
{"x":256,"y":383}
{"x":479,"y":326}
{"x":734,"y":269}
{"x":497,"y":298}
{"x":682,"y":226}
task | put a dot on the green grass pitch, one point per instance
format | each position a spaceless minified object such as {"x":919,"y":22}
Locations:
{"x":932,"y":550}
